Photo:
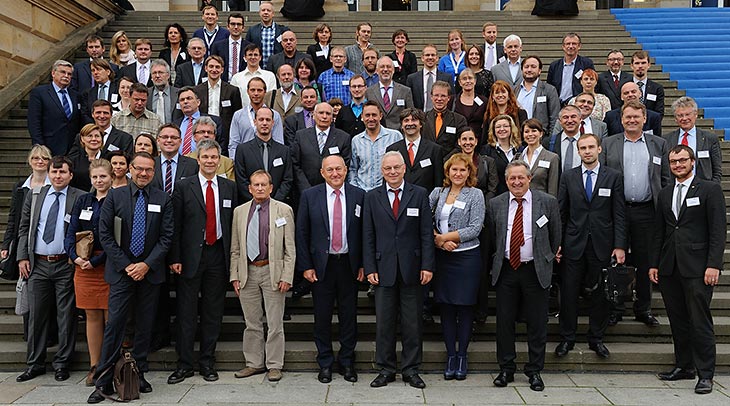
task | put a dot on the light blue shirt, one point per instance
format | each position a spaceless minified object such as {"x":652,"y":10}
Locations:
{"x":691,"y":139}
{"x":566,"y":86}
{"x":526,"y":98}
{"x":183,"y":129}
{"x":60,"y":96}
{"x":594,"y":175}
{"x":367,"y":155}
{"x":56,"y":246}
{"x":163,"y":167}
{"x":197,"y":68}
{"x":243,"y":129}
{"x":637,"y":186}
{"x":514,"y":68}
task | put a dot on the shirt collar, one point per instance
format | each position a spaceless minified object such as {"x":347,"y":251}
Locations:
{"x":640,"y":139}
{"x":564,"y":136}
{"x":173,"y":159}
{"x":26,"y":184}
{"x":527,"y":198}
{"x":400,"y":187}
{"x":330,"y":190}
{"x":416,"y":142}
{"x":204,"y":180}
{"x":583,"y":168}
{"x":63,"y":191}
{"x":687,"y":182}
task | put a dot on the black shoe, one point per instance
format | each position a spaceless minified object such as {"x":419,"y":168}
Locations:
{"x":564,"y":348}
{"x":371,"y":291}
{"x":600,"y":349}
{"x":144,"y":386}
{"x":61,"y":374}
{"x":504,"y":378}
{"x":100,"y":394}
{"x":286,"y":316}
{"x":613,"y":319}
{"x":647,"y":319}
{"x":179,"y":375}
{"x":325,"y":375}
{"x":209,"y":374}
{"x":536,"y":382}
{"x":348,"y":372}
{"x":427,"y":317}
{"x":704,"y":386}
{"x":414,"y":380}
{"x":159,"y":343}
{"x":301,"y":290}
{"x":29,"y":374}
{"x":382,"y":380}
{"x":677,"y":374}
{"x":480,"y":318}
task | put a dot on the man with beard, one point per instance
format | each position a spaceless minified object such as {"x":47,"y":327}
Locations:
{"x":392,"y":97}
{"x":284,"y":100}
{"x":422,"y":81}
{"x":161,"y":97}
{"x":539,"y":99}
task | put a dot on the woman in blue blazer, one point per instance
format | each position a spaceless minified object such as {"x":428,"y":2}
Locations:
{"x":454,"y":60}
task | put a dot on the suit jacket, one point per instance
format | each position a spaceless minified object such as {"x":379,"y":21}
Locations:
{"x":221,"y":34}
{"x":654,"y":91}
{"x":613,"y":157}
{"x":545,"y":239}
{"x":278,"y":59}
{"x":453,"y":125}
{"x":653,"y":122}
{"x":401,"y":100}
{"x":249,"y":159}
{"x":348,"y":122}
{"x":415,"y":82}
{"x":605,"y":86}
{"x":131,"y":71}
{"x":696,"y":240}
{"x":501,"y":72}
{"x":501,"y":162}
{"x":186,"y":167}
{"x":190,"y":218}
{"x":599,"y":127}
{"x":275,"y":100}
{"x":321,"y":63}
{"x":282,"y":249}
{"x":185,"y":76}
{"x":228,"y":103}
{"x":28,"y":228}
{"x":182,"y":57}
{"x":254,"y":35}
{"x":407,"y":68}
{"x":81,"y":77}
{"x":555,"y":73}
{"x":307,"y":160}
{"x":500,"y":53}
{"x":427,"y":170}
{"x":545,"y":173}
{"x":172,"y":109}
{"x":402,"y":245}
{"x":546,"y":112}
{"x":602,"y":219}
{"x":313,"y":229}
{"x":89,"y":96}
{"x":47,"y":121}
{"x":220,"y":135}
{"x":117,"y":140}
{"x":159,"y":229}
{"x":292,"y":125}
{"x":708,"y":155}
{"x":220,"y":48}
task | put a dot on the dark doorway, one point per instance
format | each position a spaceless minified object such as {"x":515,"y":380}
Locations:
{"x":391,"y":5}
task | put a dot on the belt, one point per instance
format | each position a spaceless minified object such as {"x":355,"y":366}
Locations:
{"x":338,"y":256}
{"x":639,"y":204}
{"x":53,"y":258}
{"x":261,"y":262}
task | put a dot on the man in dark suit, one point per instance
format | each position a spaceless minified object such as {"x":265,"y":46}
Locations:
{"x":528,"y":231}
{"x":349,"y":119}
{"x":423,"y":158}
{"x":392,"y":97}
{"x":591,"y":199}
{"x":652,"y":92}
{"x":442,"y":125}
{"x":493,"y":52}
{"x":43,"y":262}
{"x":162,"y":98}
{"x":140,"y":71}
{"x":264,"y":153}
{"x":289,"y":55}
{"x":329,"y":243}
{"x":190,"y":106}
{"x":228,"y":96}
{"x":631,"y":92}
{"x":419,"y":82}
{"x":105,"y":88}
{"x":642,"y":159}
{"x":690,"y":210}
{"x":114,"y":138}
{"x":398,"y":257}
{"x":192,"y":72}
{"x":54,"y":111}
{"x":704,"y":144}
{"x":231,"y":48}
{"x":611,"y":81}
{"x":303,"y":119}
{"x":210,"y":32}
{"x":82,"y":79}
{"x":267,"y":34}
{"x":569,"y":85}
{"x":171,"y":166}
{"x":544,"y":102}
{"x":200,"y":255}
{"x":135,"y":229}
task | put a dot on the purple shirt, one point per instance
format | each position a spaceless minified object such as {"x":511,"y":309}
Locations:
{"x":263,"y":228}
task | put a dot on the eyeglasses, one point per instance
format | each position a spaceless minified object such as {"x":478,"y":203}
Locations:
{"x":143,"y":170}
{"x":40,"y":158}
{"x":204,"y":132}
{"x":338,"y":56}
{"x":357,"y":86}
{"x":168,"y":137}
{"x":681,"y":161}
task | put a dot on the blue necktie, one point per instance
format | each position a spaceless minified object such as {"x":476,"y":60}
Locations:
{"x":64,"y":101}
{"x":49,"y":232}
{"x":136,"y":246}
{"x":589,"y":185}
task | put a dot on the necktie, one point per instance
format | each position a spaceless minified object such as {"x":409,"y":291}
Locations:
{"x":252,"y":235}
{"x":321,"y":140}
{"x":64,"y":102}
{"x":49,"y":232}
{"x":429,"y":84}
{"x":517,"y":238}
{"x":490,"y":57}
{"x":411,"y":154}
{"x":142,"y":74}
{"x":589,"y":185}
{"x":265,"y":156}
{"x":308,"y":122}
{"x":234,"y":58}
{"x":136,"y":244}
{"x":168,"y":176}
{"x":188,"y":142}
{"x":615,"y":81}
{"x":439,"y":124}
{"x":102,"y":93}
{"x":337,"y":223}
{"x":396,"y":202}
{"x":93,"y":82}
{"x":582,"y":127}
{"x":211,"y":231}
{"x":160,"y":109}
{"x":386,"y":98}
{"x":641,"y":89}
{"x":678,"y":200}
{"x":684,"y":139}
{"x":568,"y":161}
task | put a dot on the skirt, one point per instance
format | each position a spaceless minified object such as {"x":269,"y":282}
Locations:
{"x":92,"y":291}
{"x":457,"y":276}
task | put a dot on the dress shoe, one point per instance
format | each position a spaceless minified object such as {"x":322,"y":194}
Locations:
{"x":301,"y":290}
{"x":600,"y":349}
{"x":371,"y":291}
{"x":29,"y":374}
{"x":90,"y":376}
{"x":159,"y":343}
{"x":382,"y":380}
{"x":348,"y":372}
{"x":414,"y":380}
{"x":564,"y":348}
{"x":209,"y":374}
{"x":648,"y":319}
{"x":100,"y":394}
{"x":677,"y":374}
{"x":480,"y":318}
{"x":450,"y":370}
{"x":428,"y":317}
{"x":248,"y":371}
{"x":704,"y":386}
{"x":144,"y":386}
{"x":504,"y":378}
{"x":613,"y":319}
{"x":286,"y":317}
{"x":536,"y":382}
{"x":461,"y":367}
{"x":179,"y":375}
{"x":61,"y":374}
{"x":274,"y":375}
{"x":325,"y":375}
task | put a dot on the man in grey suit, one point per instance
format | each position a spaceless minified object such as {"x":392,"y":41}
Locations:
{"x":565,"y":142}
{"x":585,"y":102}
{"x":420,"y":82}
{"x":510,"y":70}
{"x":541,"y":103}
{"x":392,"y":97}
{"x":43,"y":262}
{"x":528,"y":231}
{"x":704,"y":144}
{"x":162,"y":98}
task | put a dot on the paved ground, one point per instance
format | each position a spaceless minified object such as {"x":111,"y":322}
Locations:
{"x":302,"y":389}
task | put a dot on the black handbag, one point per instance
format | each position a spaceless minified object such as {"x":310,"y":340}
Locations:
{"x":9,"y":265}
{"x":618,"y":283}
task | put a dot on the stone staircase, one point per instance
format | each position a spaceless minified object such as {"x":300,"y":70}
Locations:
{"x":633,"y":345}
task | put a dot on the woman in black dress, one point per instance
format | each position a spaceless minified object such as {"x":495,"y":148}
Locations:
{"x":404,"y":61}
{"x":320,"y":50}
{"x":468,"y":103}
{"x":176,"y":44}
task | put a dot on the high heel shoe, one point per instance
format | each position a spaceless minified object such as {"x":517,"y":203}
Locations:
{"x":450,"y":370}
{"x":460,"y":372}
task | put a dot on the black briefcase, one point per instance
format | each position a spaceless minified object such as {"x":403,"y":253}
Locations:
{"x":618,"y":283}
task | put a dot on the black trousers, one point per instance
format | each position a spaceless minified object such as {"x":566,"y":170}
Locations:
{"x":640,"y":231}
{"x":210,"y":282}
{"x":515,"y":289}
{"x":339,"y":285}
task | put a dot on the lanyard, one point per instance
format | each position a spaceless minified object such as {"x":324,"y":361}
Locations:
{"x":456,"y":63}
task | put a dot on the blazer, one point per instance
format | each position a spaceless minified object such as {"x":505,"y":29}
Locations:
{"x":415,"y":82}
{"x":221,"y":34}
{"x":186,"y":167}
{"x":546,"y":112}
{"x":545,"y":240}
{"x":117,"y":140}
{"x":348,"y":122}
{"x":275,"y":101}
{"x":401,"y":100}
{"x":612,"y":156}
{"x":402,"y":245}
{"x":14,"y":215}
{"x":487,"y":178}
{"x":500,"y":161}
{"x":220,"y":48}
{"x":293,"y":124}
{"x":220,"y":136}
{"x":307,"y":160}
{"x":278,"y":59}
{"x":500,"y":53}
{"x":131,"y":71}
{"x":599,"y":127}
{"x":249,"y":159}
{"x":555,"y":73}
{"x":546,"y":171}
{"x":76,"y":224}
{"x":427,"y":170}
{"x":89,"y":96}
{"x":653,"y":122}
{"x":228,"y":103}
{"x":185,"y":76}
{"x":407,"y":68}
{"x":453,"y":125}
{"x":190,"y":218}
{"x":313,"y":229}
{"x":501,"y":72}
{"x":654,"y":91}
{"x":172,"y":109}
{"x":254,"y":35}
{"x":708,"y":155}
{"x":225,"y":166}
{"x":602,"y":219}
{"x":282,"y":248}
{"x":30,"y":217}
{"x":467,"y":221}
{"x":47,"y":121}
{"x":81,"y":77}
{"x":605,"y":86}
{"x":159,"y":229}
{"x":696,"y":240}
{"x":182,"y":57}
{"x":321,"y":62}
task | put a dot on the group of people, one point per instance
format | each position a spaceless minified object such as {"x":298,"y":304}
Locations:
{"x":339,"y":166}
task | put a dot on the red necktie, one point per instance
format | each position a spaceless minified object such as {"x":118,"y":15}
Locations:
{"x":684,"y":139}
{"x":582,"y":128}
{"x":411,"y":155}
{"x":211,"y":231}
{"x":517,"y":238}
{"x":396,"y":202}
{"x":615,"y":81}
{"x":337,"y":223}
{"x":188,"y":141}
{"x":234,"y":58}
{"x":386,"y":99}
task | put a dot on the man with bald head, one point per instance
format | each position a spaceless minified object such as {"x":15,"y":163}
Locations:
{"x":289,"y":55}
{"x":630,"y":91}
{"x":392,"y":97}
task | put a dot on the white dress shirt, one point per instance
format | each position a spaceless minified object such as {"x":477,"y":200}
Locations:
{"x":330,"y":216}
{"x":526,"y":249}
{"x":216,"y":193}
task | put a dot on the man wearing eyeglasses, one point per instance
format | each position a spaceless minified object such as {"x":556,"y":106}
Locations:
{"x":218,"y":98}
{"x":231,"y":48}
{"x":335,"y":81}
{"x":192,"y":72}
{"x":204,"y":129}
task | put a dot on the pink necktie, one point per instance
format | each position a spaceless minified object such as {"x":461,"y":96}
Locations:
{"x":337,"y":223}
{"x":188,"y":141}
{"x":386,"y":99}
{"x":234,"y":58}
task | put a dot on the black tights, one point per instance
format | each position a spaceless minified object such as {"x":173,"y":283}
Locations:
{"x":456,"y":323}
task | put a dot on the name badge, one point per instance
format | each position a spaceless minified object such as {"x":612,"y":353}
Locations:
{"x":278,"y":39}
{"x":67,"y":218}
{"x":223,"y":175}
{"x":410,"y":212}
{"x":450,"y":130}
{"x":693,"y":201}
{"x":86,"y":215}
{"x":177,"y":106}
{"x":113,"y":148}
{"x":115,"y":98}
{"x":578,"y":74}
{"x":502,"y":59}
{"x":226,"y":203}
{"x":425,"y":162}
{"x":278,"y":162}
{"x":478,"y":101}
{"x":650,"y":132}
{"x":542,"y":99}
{"x":460,"y":205}
{"x":320,"y":53}
{"x":226,"y":103}
{"x":358,"y":210}
{"x":543,"y":164}
{"x":703,"y":154}
{"x":78,"y":106}
{"x":280,"y":222}
{"x":400,"y":102}
{"x":334,"y":150}
{"x":651,"y":97}
{"x":541,"y":221}
{"x":657,"y":160}
{"x":298,"y":109}
{"x":345,"y":83}
{"x":154,"y":208}
{"x":396,"y":64}
{"x":604,"y":191}
{"x":203,"y":80}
